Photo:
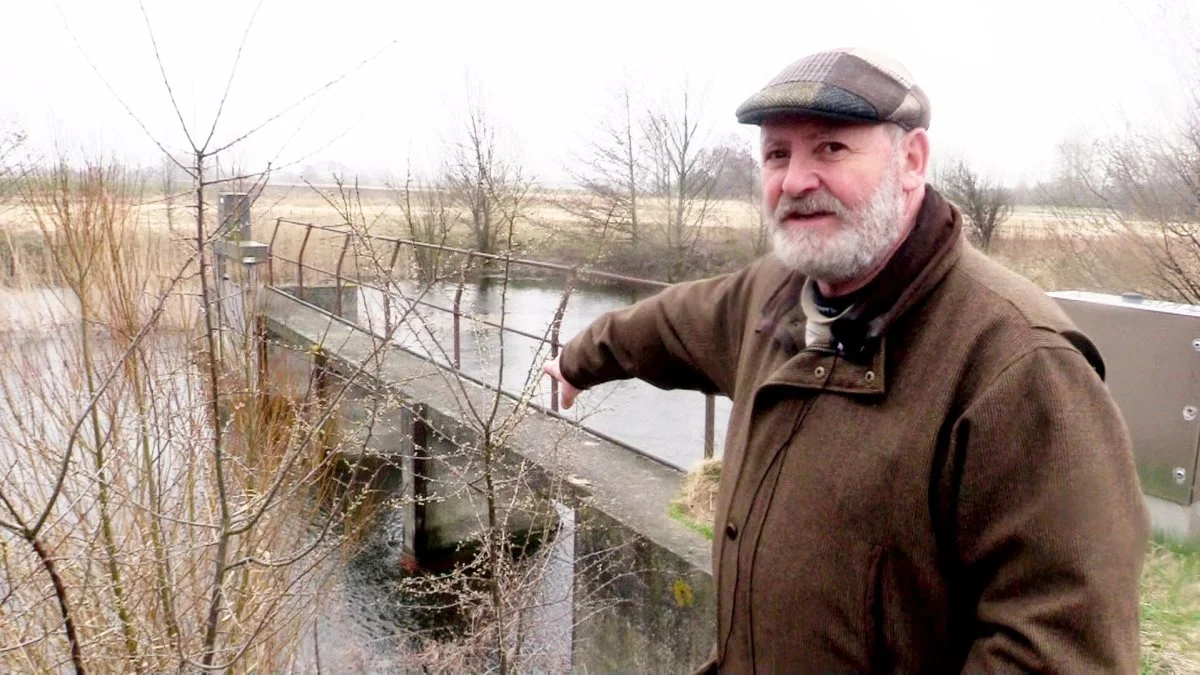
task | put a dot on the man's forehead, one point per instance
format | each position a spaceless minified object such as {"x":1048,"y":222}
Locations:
{"x":806,"y":126}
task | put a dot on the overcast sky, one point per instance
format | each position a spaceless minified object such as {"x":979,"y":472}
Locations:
{"x":1007,"y":80}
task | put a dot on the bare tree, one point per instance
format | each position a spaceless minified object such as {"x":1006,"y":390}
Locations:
{"x":985,"y":203}
{"x":490,"y":187}
{"x":429,"y":217}
{"x":612,"y":173}
{"x":1127,"y":206}
{"x":1143,"y":234}
{"x":159,"y":497}
{"x":10,"y":143}
{"x":739,"y":178}
{"x":119,"y":487}
{"x":681,"y":176}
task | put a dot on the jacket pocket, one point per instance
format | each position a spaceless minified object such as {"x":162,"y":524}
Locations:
{"x":874,"y":615}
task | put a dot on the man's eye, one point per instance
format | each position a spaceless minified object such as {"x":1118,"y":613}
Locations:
{"x":776,"y":154}
{"x":832,"y":147}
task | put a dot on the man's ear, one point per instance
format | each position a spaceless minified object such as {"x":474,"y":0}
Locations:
{"x":916,"y":159}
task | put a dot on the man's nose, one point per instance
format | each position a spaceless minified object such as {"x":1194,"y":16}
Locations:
{"x":800,"y":178}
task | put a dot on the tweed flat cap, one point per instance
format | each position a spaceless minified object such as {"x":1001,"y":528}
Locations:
{"x":844,"y":84}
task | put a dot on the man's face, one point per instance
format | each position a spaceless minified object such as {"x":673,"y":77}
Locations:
{"x":832,"y":195}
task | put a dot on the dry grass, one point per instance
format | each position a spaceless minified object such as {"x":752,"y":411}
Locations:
{"x":696,"y":506}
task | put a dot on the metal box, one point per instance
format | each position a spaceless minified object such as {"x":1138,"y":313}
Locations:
{"x":1152,"y":353}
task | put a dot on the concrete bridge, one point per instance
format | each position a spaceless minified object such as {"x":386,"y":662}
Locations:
{"x":642,"y":592}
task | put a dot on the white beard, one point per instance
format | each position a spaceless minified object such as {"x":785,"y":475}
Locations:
{"x":864,"y":235}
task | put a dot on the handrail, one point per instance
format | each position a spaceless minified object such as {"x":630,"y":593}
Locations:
{"x":571,"y":274}
{"x":527,"y":262}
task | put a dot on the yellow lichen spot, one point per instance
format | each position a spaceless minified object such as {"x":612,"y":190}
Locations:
{"x":684,"y":596}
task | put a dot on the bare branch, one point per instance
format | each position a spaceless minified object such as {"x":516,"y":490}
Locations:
{"x":302,"y":100}
{"x":232,"y":71}
{"x":165,"y":80}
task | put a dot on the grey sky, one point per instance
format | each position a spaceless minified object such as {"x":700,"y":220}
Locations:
{"x":1007,"y":80}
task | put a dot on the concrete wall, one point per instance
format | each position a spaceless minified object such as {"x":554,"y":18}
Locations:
{"x":643,"y":608}
{"x":1174,"y":520}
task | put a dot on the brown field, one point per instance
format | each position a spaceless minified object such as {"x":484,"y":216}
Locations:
{"x":1042,"y":244}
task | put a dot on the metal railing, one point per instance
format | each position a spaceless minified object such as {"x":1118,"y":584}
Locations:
{"x":570,"y":274}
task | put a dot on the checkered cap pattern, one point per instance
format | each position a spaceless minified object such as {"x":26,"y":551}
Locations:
{"x":845,"y":84}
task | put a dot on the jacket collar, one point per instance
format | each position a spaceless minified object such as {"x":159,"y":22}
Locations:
{"x":922,"y":261}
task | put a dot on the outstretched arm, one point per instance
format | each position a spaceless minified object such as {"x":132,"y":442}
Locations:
{"x":686,"y":337}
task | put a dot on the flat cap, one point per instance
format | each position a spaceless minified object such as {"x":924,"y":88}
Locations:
{"x":844,"y":84}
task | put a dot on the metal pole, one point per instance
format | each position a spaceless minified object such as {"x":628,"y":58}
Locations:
{"x":337,"y":287}
{"x":458,"y":313}
{"x":457,"y":322}
{"x":274,"y":234}
{"x":300,"y":259}
{"x":260,"y":335}
{"x":710,"y":414}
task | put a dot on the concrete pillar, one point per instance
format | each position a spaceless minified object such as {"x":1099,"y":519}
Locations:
{"x":236,"y":261}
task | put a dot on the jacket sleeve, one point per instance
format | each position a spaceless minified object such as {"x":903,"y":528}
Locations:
{"x":1051,"y":525}
{"x":686,"y":337}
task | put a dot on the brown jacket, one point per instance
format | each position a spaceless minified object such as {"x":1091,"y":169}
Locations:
{"x":946,"y":487}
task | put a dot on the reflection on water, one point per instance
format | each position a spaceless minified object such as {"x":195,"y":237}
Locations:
{"x":666,"y":424}
{"x":373,"y":619}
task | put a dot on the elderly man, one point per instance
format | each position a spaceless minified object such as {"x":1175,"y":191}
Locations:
{"x":924,"y":471}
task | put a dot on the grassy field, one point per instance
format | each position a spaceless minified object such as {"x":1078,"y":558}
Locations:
{"x":1171,"y":608}
{"x":1028,"y":241}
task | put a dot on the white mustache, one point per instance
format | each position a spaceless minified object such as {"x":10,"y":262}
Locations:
{"x":817,"y":202}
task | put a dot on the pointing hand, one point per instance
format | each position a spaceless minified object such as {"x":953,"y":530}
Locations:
{"x":567,"y":391}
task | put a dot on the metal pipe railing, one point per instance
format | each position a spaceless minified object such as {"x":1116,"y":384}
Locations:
{"x":571,"y":274}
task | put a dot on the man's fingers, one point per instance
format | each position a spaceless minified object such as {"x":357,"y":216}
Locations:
{"x":567,"y":392}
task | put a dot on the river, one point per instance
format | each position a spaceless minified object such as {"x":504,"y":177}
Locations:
{"x":668,"y":425}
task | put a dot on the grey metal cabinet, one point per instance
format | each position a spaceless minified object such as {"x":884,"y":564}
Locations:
{"x":1152,"y":353}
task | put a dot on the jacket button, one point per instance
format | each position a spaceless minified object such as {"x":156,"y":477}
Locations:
{"x":731,"y":531}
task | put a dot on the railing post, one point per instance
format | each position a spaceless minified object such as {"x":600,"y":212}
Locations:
{"x":388,"y":283}
{"x":271,"y":260}
{"x":337,"y":275}
{"x":457,"y":325}
{"x":300,"y":260}
{"x":392,"y":264}
{"x":458,"y":312}
{"x":260,"y":336}
{"x":710,"y":414}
